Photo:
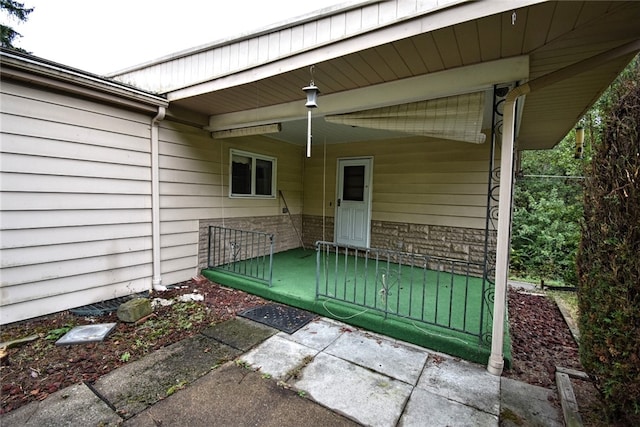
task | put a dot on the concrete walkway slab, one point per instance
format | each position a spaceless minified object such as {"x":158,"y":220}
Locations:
{"x":279,"y":357}
{"x":380,"y":354}
{"x":429,"y":409}
{"x":463,"y":382}
{"x":236,"y":396}
{"x":365,"y":396}
{"x":349,"y":375}
{"x":140,"y":384}
{"x":318,"y":334}
{"x":528,"y":405}
{"x":239,"y":333}
{"x":72,"y":406}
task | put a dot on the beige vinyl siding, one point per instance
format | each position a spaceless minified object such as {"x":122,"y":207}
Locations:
{"x":415,"y":180}
{"x":194,"y":177}
{"x":75,"y":205}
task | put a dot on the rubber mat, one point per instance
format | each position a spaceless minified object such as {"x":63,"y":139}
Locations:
{"x":282,"y":317}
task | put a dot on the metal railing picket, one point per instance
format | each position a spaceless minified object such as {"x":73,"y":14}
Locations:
{"x":406,"y":285}
{"x":242,"y":252}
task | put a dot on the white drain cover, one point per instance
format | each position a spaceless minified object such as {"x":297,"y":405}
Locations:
{"x":86,"y":333}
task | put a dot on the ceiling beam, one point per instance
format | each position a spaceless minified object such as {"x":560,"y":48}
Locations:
{"x":456,"y":81}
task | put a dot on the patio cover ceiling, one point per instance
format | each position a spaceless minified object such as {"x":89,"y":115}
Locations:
{"x":427,"y":51}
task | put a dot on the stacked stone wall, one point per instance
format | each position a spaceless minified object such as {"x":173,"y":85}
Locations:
{"x":465,"y":244}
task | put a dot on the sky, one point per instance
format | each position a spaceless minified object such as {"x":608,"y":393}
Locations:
{"x":103,"y":36}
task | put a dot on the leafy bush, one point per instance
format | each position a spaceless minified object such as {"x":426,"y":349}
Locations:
{"x":547,"y":214}
{"x":609,"y":262}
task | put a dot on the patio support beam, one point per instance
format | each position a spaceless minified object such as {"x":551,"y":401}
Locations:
{"x":496,"y":360}
{"x":456,"y":81}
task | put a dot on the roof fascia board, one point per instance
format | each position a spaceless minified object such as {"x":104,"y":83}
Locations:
{"x":47,"y":74}
{"x":403,"y":28}
{"x":457,"y":81}
{"x":301,"y":20}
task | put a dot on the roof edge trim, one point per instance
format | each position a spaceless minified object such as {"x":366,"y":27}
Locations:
{"x":31,"y":68}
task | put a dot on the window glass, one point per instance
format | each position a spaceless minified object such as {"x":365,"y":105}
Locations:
{"x":353,"y":183}
{"x":240,"y":174}
{"x":252,"y":175}
{"x":264,"y":175}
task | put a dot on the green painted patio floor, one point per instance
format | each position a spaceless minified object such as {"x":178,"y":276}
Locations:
{"x":294,"y":283}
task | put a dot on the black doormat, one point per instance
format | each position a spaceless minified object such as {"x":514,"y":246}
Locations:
{"x":282,"y":317}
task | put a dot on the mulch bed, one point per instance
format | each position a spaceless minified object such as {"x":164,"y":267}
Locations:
{"x":540,"y":338}
{"x":39,"y":368}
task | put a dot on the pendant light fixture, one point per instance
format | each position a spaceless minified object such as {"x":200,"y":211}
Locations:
{"x":312,"y":92}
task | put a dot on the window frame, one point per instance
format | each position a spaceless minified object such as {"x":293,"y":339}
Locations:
{"x":253,"y":156}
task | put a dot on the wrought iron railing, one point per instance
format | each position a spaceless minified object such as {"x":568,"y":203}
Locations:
{"x":241,"y":252}
{"x":432,"y":290}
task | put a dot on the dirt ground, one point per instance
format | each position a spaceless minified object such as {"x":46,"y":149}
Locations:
{"x":540,"y":341}
{"x":540,"y":338}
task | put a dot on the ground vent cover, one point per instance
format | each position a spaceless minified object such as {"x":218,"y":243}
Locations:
{"x":105,"y":307}
{"x":282,"y":317}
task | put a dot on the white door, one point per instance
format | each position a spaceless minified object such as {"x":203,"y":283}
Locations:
{"x":353,"y":206}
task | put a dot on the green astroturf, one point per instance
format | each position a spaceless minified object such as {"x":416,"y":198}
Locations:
{"x":434,"y":309}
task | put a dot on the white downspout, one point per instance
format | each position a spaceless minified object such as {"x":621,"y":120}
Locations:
{"x":156,"y":282}
{"x":496,"y":359}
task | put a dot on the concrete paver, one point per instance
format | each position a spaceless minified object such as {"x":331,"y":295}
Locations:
{"x":528,"y":404}
{"x":429,"y":409}
{"x":278,"y":357}
{"x":371,"y":378}
{"x":138,"y":385}
{"x":318,"y":334}
{"x":380,"y":354}
{"x":235,"y":396}
{"x":349,"y":376}
{"x":365,"y":396}
{"x":462,"y":382}
{"x":72,"y":406}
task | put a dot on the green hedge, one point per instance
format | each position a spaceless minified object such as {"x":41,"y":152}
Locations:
{"x":609,"y":263}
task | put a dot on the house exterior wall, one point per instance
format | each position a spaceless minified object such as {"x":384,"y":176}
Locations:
{"x":428,"y":196}
{"x":75,"y":202}
{"x":76,"y":199}
{"x":194,"y":190}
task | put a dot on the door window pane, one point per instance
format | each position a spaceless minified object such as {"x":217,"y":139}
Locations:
{"x":353,"y":183}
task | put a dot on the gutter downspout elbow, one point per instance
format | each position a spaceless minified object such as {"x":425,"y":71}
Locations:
{"x":505,"y":202}
{"x":156,"y":282}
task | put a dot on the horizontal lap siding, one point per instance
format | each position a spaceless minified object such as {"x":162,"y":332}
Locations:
{"x":189,"y":181}
{"x":194,"y":177}
{"x":415,"y":180}
{"x":75,"y":223}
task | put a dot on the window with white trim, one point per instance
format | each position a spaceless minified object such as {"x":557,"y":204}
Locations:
{"x":252,"y":175}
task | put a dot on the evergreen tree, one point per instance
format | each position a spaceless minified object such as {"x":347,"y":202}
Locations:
{"x":608,"y":261}
{"x":16,"y":11}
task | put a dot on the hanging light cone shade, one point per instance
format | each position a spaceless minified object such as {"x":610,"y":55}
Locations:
{"x":312,"y":92}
